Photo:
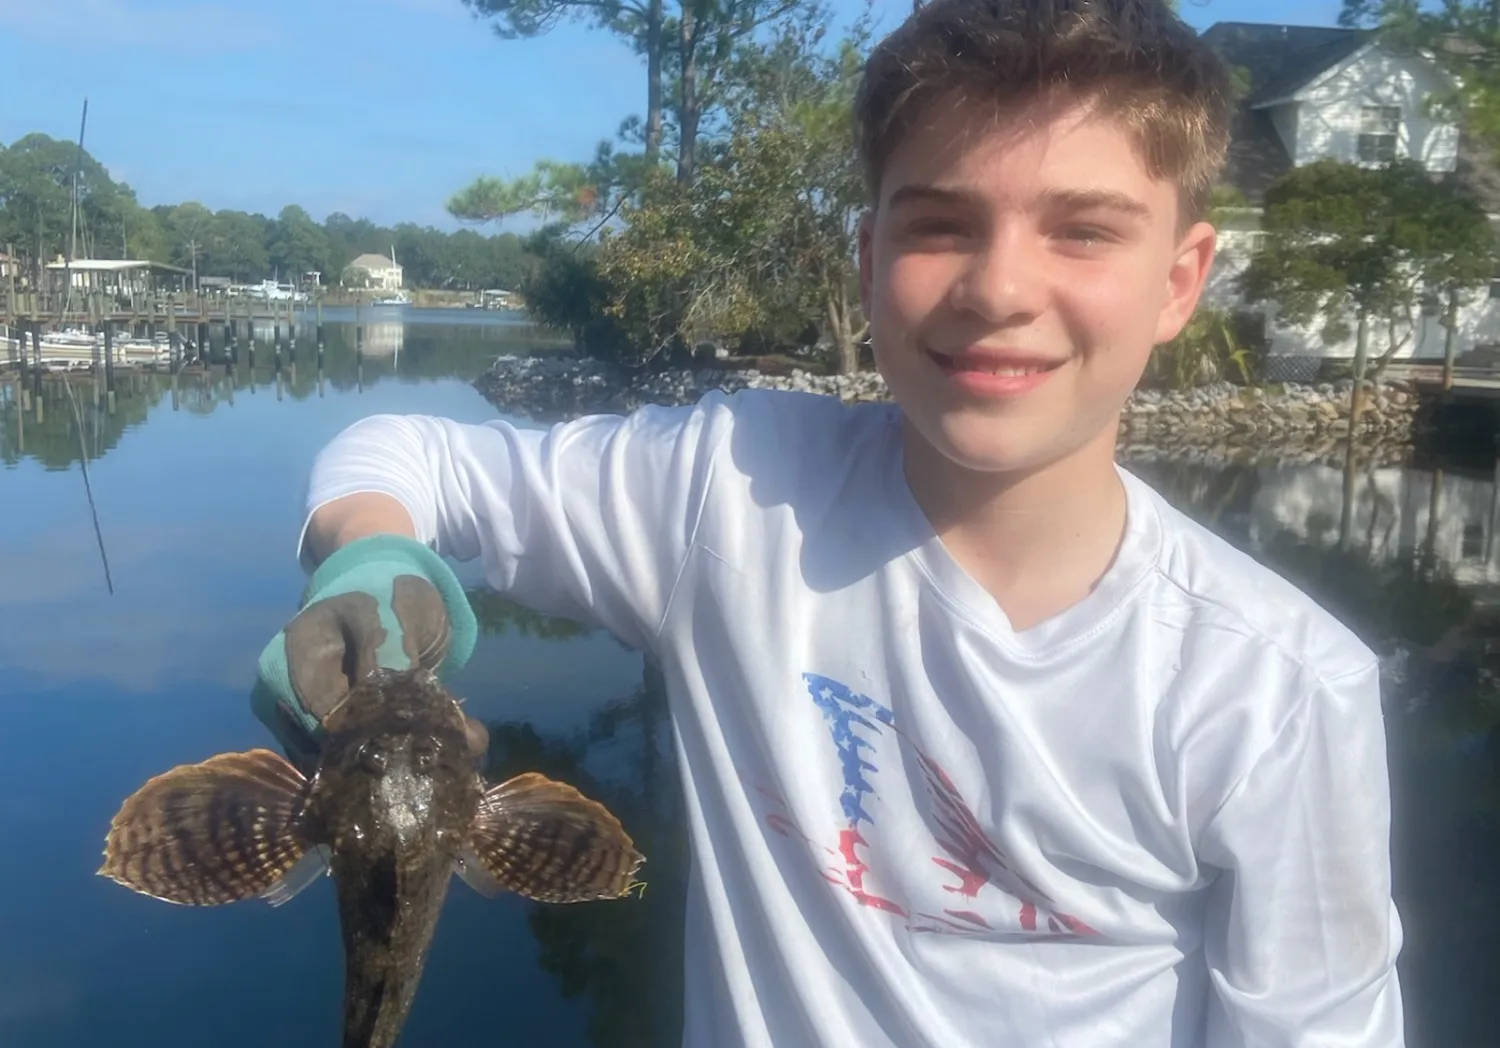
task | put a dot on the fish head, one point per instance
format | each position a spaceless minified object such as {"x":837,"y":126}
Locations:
{"x":396,"y":773}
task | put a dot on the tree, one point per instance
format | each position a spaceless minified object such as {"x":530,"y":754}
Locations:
{"x":297,"y":244}
{"x":708,"y":32}
{"x":640,"y":22}
{"x":766,"y":233}
{"x":704,"y":35}
{"x":1353,"y":246}
{"x":36,"y":200}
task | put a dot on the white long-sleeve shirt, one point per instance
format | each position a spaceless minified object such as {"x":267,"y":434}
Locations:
{"x":1159,"y":818}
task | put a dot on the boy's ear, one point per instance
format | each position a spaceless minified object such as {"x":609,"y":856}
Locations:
{"x":866,"y":234}
{"x":1185,"y":280}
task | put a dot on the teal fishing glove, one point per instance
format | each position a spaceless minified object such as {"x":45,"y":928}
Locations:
{"x":384,"y":601}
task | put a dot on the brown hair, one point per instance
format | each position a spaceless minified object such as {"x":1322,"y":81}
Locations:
{"x":1134,"y":60}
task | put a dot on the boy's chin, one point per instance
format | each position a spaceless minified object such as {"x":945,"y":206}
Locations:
{"x":1016,"y":446}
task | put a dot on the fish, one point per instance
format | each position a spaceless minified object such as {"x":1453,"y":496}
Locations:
{"x":393,"y":807}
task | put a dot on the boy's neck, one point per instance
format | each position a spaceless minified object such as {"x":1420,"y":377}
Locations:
{"x":1038,"y":542}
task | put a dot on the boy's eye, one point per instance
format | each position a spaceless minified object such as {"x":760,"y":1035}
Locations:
{"x":1087,"y":234}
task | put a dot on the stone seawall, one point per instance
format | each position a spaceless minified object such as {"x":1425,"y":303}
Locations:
{"x":1307,"y":422}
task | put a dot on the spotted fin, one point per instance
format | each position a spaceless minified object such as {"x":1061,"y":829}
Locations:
{"x":215,"y":832}
{"x":546,"y":841}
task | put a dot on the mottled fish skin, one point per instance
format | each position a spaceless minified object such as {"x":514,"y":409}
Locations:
{"x":393,"y":809}
{"x":394,"y":797}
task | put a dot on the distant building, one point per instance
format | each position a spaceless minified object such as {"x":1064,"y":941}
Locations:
{"x":384,"y":274}
{"x":1318,"y":92}
{"x":122,"y":278}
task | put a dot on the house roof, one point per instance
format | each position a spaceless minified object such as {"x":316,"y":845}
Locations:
{"x":373,"y":261}
{"x":113,"y":265}
{"x":1278,"y":61}
{"x":1282,"y":59}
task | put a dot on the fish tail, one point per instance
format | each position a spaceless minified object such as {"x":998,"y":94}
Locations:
{"x":385,"y":951}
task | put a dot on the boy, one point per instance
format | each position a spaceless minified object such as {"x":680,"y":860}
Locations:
{"x":983,"y":743}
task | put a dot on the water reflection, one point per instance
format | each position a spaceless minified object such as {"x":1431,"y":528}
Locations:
{"x":199,"y":483}
{"x":56,"y":417}
{"x":1406,"y":557}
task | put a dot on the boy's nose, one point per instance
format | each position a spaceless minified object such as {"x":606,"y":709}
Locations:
{"x":1002,"y":282}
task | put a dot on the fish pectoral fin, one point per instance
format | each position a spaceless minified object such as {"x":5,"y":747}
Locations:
{"x":214,"y":832}
{"x":472,"y":871}
{"x":546,"y":841}
{"x":312,"y":865}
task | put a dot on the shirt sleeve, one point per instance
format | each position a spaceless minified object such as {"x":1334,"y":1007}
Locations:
{"x":590,"y":519}
{"x":1302,"y":934}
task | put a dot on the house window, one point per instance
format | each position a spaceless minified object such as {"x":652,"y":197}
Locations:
{"x":1377,"y":133}
{"x":1473,"y":541}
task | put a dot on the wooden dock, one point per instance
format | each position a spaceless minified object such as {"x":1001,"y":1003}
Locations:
{"x":51,"y":309}
{"x":1466,"y":381}
{"x":47,"y":331}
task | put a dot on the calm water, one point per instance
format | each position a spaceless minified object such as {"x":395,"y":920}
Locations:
{"x":199,"y":497}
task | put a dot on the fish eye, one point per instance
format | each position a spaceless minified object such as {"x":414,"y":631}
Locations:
{"x":372,"y":757}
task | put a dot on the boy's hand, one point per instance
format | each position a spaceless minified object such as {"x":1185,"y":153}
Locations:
{"x":384,"y":601}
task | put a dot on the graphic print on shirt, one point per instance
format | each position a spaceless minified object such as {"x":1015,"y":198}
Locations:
{"x":988,"y":893}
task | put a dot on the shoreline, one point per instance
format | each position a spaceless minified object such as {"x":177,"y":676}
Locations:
{"x":1294,"y":423}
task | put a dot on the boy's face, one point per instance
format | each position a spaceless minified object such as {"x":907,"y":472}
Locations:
{"x":1042,"y":245}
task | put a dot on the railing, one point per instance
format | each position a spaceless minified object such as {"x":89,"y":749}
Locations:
{"x":85,"y":308}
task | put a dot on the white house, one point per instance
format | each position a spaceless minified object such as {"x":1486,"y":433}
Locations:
{"x":1318,"y":92}
{"x":384,"y":273}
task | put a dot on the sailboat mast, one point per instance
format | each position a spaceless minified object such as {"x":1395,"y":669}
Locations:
{"x":73,"y":239}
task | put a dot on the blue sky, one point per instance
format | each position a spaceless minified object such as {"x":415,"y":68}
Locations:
{"x":378,"y":108}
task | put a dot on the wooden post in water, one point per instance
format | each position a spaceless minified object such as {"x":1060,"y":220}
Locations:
{"x":109,"y":366}
{"x":359,"y":350}
{"x":234,"y":337}
{"x":96,"y":371}
{"x":174,"y":338}
{"x":1489,"y":538}
{"x":23,"y":374}
{"x":1434,"y":511}
{"x":174,"y":348}
{"x":36,"y":376}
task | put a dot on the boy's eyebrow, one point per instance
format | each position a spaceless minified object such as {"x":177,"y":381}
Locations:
{"x":1107,"y":199}
{"x":1065,"y":199}
{"x":918,"y":193}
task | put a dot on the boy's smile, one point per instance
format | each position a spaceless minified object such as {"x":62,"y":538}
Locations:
{"x":1017,"y":275}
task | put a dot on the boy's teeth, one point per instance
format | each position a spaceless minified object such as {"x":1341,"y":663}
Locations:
{"x":996,"y":369}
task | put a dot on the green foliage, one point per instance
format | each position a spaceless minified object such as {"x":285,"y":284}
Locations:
{"x":757,"y":250}
{"x":36,"y":200}
{"x":566,"y":292}
{"x":36,"y":219}
{"x":1211,"y":347}
{"x":1345,"y":244}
